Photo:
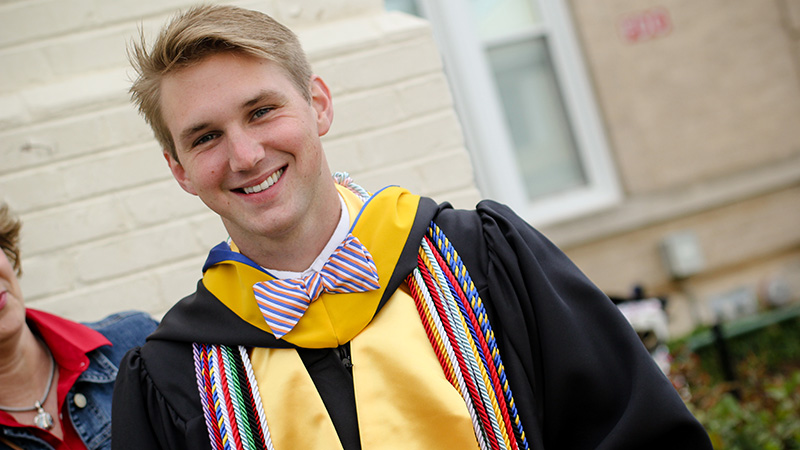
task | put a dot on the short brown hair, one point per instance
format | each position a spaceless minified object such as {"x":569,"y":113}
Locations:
{"x":10,"y":226}
{"x":204,"y":31}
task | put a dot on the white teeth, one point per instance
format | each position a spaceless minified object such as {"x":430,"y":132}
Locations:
{"x":266,"y":184}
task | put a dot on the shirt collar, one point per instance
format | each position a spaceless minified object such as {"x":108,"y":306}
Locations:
{"x":69,"y":341}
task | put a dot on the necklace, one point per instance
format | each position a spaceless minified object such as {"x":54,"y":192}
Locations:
{"x":43,"y":419}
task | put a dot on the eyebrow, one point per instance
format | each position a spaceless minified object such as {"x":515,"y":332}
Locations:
{"x":265,"y":94}
{"x":187,"y":133}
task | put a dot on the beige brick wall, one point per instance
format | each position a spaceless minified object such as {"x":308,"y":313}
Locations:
{"x":745,"y":245}
{"x":732,"y":235}
{"x":718,"y":94}
{"x":105,"y":226}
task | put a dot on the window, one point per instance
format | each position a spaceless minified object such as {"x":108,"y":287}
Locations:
{"x":524,"y":100}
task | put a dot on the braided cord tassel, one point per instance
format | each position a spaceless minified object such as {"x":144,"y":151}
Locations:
{"x":259,"y":406}
{"x":229,"y":395}
{"x":246,"y":411}
{"x":466,"y":351}
{"x":343,"y":179}
{"x":457,"y":343}
{"x":218,"y":389}
{"x":249,"y":414}
{"x":465,"y":282}
{"x":470,"y":394}
{"x":237,"y":409}
{"x":230,"y":401}
{"x":200,"y":352}
{"x":431,"y":324}
{"x":481,"y":351}
{"x":424,"y":300}
{"x":484,"y":374}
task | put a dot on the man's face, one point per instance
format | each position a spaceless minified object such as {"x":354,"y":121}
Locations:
{"x":248,"y":144}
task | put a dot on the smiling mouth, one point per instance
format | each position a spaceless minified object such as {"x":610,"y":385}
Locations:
{"x":272,"y":179}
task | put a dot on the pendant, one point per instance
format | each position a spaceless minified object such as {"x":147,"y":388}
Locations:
{"x":43,"y":419}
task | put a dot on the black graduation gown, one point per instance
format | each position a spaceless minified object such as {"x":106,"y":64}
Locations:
{"x":580,"y":376}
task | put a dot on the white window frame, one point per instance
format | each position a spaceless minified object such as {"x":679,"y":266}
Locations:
{"x":485,"y":129}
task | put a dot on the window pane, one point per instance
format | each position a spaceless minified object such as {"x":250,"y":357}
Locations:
{"x":544,"y":145}
{"x":408,"y":6}
{"x":498,"y":18}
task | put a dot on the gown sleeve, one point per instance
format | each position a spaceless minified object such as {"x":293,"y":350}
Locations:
{"x":143,"y":418}
{"x":581,"y":377}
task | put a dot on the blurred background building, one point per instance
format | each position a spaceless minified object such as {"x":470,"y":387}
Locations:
{"x":655,"y":142}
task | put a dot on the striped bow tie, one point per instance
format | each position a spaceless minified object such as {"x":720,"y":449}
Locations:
{"x":349,"y":269}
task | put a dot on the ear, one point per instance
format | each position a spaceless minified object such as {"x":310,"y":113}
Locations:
{"x":322,"y":102}
{"x":179,"y":173}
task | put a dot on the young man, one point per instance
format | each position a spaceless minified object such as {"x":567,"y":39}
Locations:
{"x":332,"y":318}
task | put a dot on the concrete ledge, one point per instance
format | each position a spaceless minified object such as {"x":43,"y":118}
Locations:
{"x":650,"y":209}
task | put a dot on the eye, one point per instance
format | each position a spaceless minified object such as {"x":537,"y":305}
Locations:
{"x":204,"y":138}
{"x":261,"y":112}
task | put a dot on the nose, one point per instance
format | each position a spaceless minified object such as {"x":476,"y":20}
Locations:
{"x":244,"y":151}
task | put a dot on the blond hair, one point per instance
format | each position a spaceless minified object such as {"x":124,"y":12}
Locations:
{"x":10,"y":226}
{"x":201,"y":32}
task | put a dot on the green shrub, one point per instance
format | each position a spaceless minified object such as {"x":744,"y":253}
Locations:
{"x":777,"y":345}
{"x":758,"y":410}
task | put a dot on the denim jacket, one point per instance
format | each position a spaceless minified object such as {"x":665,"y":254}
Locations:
{"x":96,"y":384}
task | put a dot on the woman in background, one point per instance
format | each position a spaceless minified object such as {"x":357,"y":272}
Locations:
{"x":56,"y":376}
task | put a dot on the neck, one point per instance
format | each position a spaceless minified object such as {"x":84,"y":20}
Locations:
{"x":296,"y":249}
{"x":25,"y":367}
